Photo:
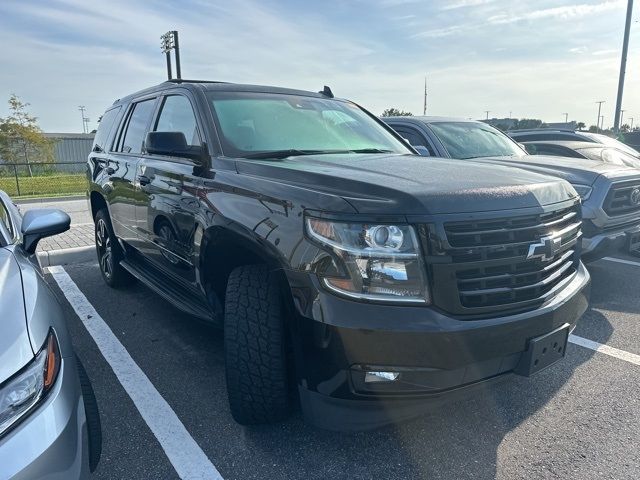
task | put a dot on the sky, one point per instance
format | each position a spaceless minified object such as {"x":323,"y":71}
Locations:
{"x":530,"y":59}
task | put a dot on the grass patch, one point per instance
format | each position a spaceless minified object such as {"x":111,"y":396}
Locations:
{"x":45,"y":185}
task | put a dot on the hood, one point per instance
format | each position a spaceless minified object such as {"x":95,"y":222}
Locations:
{"x":573,"y":170}
{"x":413,"y":185}
{"x":15,"y":347}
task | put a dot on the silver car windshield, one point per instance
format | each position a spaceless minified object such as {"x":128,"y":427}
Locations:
{"x":466,"y":140}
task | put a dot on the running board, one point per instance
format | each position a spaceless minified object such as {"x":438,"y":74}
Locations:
{"x":182,"y":298}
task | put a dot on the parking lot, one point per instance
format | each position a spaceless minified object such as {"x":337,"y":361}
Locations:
{"x":578,"y":419}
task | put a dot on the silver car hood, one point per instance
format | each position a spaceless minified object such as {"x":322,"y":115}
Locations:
{"x":15,"y":346}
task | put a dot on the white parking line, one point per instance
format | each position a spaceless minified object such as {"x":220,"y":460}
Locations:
{"x":606,"y":349}
{"x":183,"y":452}
{"x":620,"y":260}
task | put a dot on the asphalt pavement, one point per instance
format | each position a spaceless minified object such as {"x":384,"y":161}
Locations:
{"x":577,"y":419}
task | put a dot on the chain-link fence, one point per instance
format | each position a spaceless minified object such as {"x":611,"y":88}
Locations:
{"x":47,"y":179}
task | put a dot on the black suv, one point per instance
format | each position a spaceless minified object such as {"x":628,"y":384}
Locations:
{"x":346,"y":270}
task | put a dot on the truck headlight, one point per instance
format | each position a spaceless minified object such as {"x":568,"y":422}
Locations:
{"x":583,"y":190}
{"x":22,"y":392}
{"x":378,"y":262}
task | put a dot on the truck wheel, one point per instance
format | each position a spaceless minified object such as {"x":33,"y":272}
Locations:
{"x":254,"y":347}
{"x":94,"y":427}
{"x":110,"y":253}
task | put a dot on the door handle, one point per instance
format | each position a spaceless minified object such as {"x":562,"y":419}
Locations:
{"x":144,"y":180}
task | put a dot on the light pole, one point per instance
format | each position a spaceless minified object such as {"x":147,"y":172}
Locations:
{"x":621,"y":118}
{"x":601,"y":126}
{"x":566,"y":117}
{"x":623,"y":66}
{"x":599,"y":109}
{"x":487,"y":112}
{"x":168,"y":42}
{"x":631,"y":126}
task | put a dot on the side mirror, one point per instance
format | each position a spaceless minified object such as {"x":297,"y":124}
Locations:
{"x":41,"y":223}
{"x":422,"y":150}
{"x":173,"y":144}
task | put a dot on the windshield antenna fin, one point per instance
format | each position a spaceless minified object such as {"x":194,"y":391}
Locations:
{"x":326,"y":91}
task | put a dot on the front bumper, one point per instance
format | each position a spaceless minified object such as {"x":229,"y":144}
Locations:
{"x":52,"y":441}
{"x":438,"y":357}
{"x":606,"y":241}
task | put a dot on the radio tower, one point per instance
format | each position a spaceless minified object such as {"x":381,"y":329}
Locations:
{"x":424,"y":110}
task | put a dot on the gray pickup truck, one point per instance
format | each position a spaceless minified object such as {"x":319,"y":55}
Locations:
{"x":610,"y":193}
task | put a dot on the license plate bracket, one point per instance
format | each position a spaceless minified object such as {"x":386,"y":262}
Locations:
{"x":544,"y":351}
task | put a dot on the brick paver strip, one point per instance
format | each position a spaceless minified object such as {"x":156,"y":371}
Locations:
{"x":79,"y":235}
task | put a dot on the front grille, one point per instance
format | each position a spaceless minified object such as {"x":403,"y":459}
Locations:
{"x":623,"y":198}
{"x":481,"y":266}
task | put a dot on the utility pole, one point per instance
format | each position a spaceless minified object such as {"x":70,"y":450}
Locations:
{"x":631,"y":126}
{"x":424,"y":110}
{"x":566,"y":117}
{"x":487,"y":112}
{"x":623,"y":66}
{"x":84,"y":119}
{"x":601,"y":126}
{"x":621,"y":118}
{"x":599,"y":109}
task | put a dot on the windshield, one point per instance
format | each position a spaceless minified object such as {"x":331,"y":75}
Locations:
{"x":611,"y":142}
{"x":472,"y":140}
{"x":611,"y":155}
{"x":265,"y":125}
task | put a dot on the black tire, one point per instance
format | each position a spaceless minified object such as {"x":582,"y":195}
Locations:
{"x":110,"y":253}
{"x":94,"y":427}
{"x":254,"y":347}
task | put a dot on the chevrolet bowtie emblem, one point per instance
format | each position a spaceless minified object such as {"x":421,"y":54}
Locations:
{"x":546,"y":249}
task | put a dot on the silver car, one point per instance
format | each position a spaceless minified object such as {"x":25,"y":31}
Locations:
{"x":49,"y":422}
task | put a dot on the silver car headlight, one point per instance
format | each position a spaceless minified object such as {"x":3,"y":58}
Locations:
{"x":24,"y":391}
{"x":377,"y":262}
{"x":583,"y":190}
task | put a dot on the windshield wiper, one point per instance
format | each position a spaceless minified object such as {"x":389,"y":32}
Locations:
{"x":370,"y":150}
{"x":278,"y":154}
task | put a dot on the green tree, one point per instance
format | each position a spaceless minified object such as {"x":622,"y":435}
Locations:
{"x":593,"y":129}
{"x":528,"y":123}
{"x":21,"y":139}
{"x":394,"y":112}
{"x":580,"y":125}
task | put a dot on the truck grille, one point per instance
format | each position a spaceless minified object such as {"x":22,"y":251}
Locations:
{"x":623,"y":198}
{"x":481,"y":266}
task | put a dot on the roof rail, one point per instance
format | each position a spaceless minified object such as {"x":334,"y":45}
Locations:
{"x":544,"y":129}
{"x":184,"y":80}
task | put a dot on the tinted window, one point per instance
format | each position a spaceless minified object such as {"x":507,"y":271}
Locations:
{"x":177,"y":116}
{"x":104,"y":128}
{"x":137,"y":126}
{"x":414,"y":137}
{"x":252,"y":123}
{"x":556,"y":150}
{"x":5,"y":219}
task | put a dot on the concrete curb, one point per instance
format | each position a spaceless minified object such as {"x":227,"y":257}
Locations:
{"x":67,"y":198}
{"x":67,"y":256}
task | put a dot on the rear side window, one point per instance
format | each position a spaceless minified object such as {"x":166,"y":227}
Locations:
{"x":137,"y":127}
{"x":104,"y":129}
{"x":177,"y":116}
{"x":415,"y":139}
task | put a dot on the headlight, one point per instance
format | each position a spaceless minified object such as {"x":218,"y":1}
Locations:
{"x":584,"y":191}
{"x":375,"y":261}
{"x":27,"y":388}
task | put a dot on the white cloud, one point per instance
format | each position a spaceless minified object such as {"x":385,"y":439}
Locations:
{"x":465,"y":4}
{"x":565,"y":12}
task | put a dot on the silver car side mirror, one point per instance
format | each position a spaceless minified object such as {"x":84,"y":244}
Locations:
{"x":41,"y":223}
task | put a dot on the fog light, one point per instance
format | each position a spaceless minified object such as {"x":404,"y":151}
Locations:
{"x":372,"y":377}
